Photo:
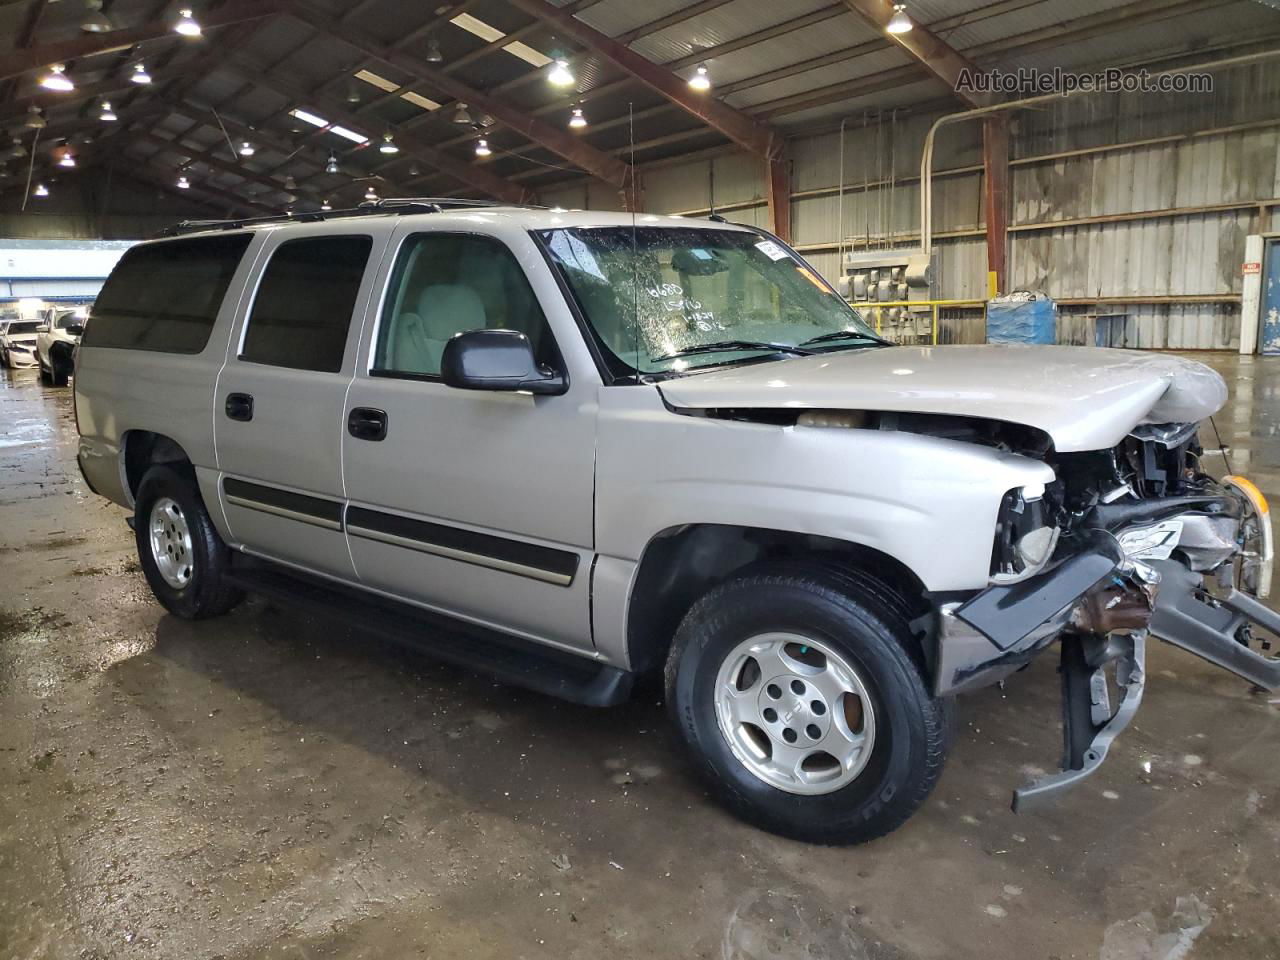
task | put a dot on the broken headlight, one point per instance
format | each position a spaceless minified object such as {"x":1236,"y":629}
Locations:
{"x":1025,"y":537}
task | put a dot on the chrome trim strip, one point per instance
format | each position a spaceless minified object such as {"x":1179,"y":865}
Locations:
{"x":283,"y":512}
{"x":479,"y":559}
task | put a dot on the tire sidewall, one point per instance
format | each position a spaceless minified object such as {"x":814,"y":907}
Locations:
{"x":892,"y":680}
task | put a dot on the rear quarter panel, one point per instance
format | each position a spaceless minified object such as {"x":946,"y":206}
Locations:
{"x":119,"y":390}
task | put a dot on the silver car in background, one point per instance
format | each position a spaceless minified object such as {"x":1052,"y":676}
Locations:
{"x":604,"y":445}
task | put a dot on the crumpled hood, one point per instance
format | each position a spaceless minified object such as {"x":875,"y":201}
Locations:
{"x":1085,"y":398}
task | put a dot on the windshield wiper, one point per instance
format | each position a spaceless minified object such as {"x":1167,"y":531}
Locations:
{"x":844,"y":335}
{"x":723,"y":345}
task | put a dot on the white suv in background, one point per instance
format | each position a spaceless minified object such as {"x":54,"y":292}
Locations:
{"x":56,"y":340}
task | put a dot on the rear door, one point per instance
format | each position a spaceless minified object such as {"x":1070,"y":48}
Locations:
{"x":280,"y":397}
{"x":474,"y":502}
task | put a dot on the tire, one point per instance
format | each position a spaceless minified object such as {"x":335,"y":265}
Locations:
{"x":45,"y":377}
{"x":194,"y":582}
{"x":855,"y":626}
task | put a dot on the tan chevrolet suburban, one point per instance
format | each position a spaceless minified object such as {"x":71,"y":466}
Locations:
{"x":597,"y":445}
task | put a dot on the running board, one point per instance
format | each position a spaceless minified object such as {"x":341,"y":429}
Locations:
{"x":512,"y":660}
{"x":1184,"y":617}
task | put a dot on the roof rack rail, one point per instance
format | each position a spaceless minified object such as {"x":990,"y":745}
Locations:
{"x":398,"y":206}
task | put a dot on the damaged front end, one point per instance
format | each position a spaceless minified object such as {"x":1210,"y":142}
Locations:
{"x":1128,"y":542}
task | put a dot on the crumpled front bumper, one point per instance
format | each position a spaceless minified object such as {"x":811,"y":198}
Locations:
{"x":1101,"y":602}
{"x":22,"y":355}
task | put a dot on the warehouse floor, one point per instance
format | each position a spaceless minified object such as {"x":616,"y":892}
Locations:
{"x":266,"y":784}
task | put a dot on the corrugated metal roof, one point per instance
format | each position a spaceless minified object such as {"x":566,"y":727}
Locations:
{"x":845,"y":48}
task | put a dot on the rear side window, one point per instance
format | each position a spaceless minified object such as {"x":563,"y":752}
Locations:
{"x":166,"y":296}
{"x":303,"y":309}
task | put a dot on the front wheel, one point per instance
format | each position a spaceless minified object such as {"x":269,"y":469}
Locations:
{"x":186,"y":563}
{"x":800,"y":694}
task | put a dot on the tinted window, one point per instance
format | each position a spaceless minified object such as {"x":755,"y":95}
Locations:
{"x":165,"y":296}
{"x":450,"y":283}
{"x":304,"y":304}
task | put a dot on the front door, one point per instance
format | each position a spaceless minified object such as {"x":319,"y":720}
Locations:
{"x":472,"y":502}
{"x":279,"y":404}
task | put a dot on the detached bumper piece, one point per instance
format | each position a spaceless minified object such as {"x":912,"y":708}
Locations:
{"x":1088,"y":724}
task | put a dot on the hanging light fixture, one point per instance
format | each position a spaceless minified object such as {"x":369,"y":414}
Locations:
{"x":326,"y":205}
{"x":577,"y":121}
{"x":388,"y":145}
{"x":461,"y":115}
{"x":899,"y":22}
{"x":67,"y":159}
{"x":560,"y":75}
{"x":246,"y":149}
{"x":17,"y":151}
{"x":482,"y":148}
{"x":107,"y":113}
{"x":95,"y":21}
{"x":57,"y":79}
{"x":186,"y":24}
{"x":701,"y":79}
{"x":35,"y":119}
{"x":371,"y":194}
{"x":331,"y":166}
{"x":40,"y":191}
{"x":433,"y":54}
{"x":140,"y":74}
{"x":290,"y":183}
{"x":184,"y":183}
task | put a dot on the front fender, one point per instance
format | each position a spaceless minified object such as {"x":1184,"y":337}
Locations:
{"x":929,"y":503}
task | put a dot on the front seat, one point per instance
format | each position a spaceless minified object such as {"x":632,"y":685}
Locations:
{"x":443,"y":310}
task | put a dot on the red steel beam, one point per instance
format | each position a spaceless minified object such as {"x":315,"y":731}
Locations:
{"x":759,"y":138}
{"x":995,"y":162}
{"x":88,"y":45}
{"x":922,"y":44}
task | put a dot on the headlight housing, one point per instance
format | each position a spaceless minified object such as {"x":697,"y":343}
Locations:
{"x":1025,"y":536}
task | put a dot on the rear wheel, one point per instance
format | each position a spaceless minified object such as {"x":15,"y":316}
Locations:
{"x":800,"y":693}
{"x":186,"y":563}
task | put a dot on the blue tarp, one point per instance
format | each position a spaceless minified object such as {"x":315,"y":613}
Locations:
{"x":1022,"y":320}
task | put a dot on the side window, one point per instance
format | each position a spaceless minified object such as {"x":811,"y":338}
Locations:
{"x":444,"y":284}
{"x":304,"y":303}
{"x":165,"y":296}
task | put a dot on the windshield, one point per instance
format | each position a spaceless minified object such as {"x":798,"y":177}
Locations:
{"x":23,"y":326}
{"x":670,"y":299}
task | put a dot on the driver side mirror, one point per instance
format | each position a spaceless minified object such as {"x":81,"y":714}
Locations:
{"x":42,"y":328}
{"x":75,"y":329}
{"x":497,"y":360}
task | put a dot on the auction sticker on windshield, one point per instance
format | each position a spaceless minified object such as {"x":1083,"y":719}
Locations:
{"x":772,"y":250}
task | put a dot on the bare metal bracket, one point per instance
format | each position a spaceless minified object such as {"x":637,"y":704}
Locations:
{"x":1131,"y":675}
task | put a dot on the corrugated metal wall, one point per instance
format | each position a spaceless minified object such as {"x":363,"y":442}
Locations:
{"x":1178,"y":155}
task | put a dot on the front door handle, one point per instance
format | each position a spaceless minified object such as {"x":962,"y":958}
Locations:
{"x":367,"y":423}
{"x":239,"y":406}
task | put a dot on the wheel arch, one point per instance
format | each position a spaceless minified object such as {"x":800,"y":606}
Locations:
{"x":681,"y":563}
{"x":144,"y":449}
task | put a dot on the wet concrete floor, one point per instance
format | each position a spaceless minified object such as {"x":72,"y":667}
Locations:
{"x":268,"y":785}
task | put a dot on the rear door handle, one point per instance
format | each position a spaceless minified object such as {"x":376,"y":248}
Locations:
{"x":367,"y":423}
{"x":239,"y":406}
